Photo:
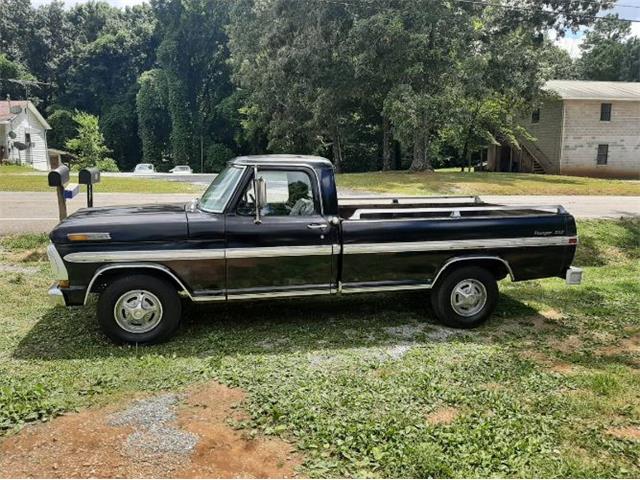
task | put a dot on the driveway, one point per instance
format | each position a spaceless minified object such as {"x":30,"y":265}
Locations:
{"x":22,"y":212}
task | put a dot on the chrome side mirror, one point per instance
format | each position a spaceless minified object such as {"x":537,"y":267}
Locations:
{"x":260,"y":189}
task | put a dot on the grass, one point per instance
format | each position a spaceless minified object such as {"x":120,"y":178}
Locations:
{"x":484,"y":183}
{"x":12,"y":180}
{"x":443,"y":182}
{"x":359,"y":384}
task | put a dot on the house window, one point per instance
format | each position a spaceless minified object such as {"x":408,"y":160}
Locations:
{"x":27,"y":139}
{"x":603,"y":154}
{"x":605,"y":112}
{"x":535,"y":116}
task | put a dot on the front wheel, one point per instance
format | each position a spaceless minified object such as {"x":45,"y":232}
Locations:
{"x":465,"y":297}
{"x":139,"y":309}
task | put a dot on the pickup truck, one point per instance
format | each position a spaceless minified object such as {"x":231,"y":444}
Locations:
{"x":272,"y":226}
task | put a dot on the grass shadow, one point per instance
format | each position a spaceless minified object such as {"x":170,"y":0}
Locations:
{"x":248,"y":328}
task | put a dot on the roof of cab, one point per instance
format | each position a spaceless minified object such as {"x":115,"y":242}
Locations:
{"x":280,"y":159}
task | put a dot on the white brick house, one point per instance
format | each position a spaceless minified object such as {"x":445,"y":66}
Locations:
{"x":23,"y":134}
{"x":584,"y":128}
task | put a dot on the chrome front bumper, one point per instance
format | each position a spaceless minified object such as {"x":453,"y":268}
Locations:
{"x":573,"y":276}
{"x":56,"y":297}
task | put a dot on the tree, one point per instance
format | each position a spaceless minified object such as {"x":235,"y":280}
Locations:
{"x":63,"y":127}
{"x":193,"y":56}
{"x":15,"y":79}
{"x":88,"y":145}
{"x":608,"y":53}
{"x":154,"y":121}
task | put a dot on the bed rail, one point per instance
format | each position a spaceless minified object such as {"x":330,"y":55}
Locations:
{"x":457,"y":212}
{"x":396,"y":200}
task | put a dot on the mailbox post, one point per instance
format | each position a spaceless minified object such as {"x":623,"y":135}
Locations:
{"x":89,"y":176}
{"x":59,"y":178}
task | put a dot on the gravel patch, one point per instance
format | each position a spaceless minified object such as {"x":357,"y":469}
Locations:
{"x":406,"y":332}
{"x":440,"y":334}
{"x":148,"y":412}
{"x":17,"y":269}
{"x":152,"y":434}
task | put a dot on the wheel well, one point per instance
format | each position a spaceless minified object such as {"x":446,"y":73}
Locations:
{"x":108,"y":276}
{"x":498,"y":267}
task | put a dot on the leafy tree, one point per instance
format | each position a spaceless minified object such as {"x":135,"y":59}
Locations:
{"x":608,"y":53}
{"x":193,"y":56}
{"x":63,"y":127}
{"x":15,"y":79}
{"x":154,"y":122}
{"x":216,"y":157}
{"x":88,"y":145}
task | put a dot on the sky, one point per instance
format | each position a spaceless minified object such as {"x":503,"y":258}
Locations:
{"x":571,"y":42}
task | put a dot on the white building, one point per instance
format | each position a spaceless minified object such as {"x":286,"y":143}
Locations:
{"x":23,"y":134}
{"x":584,"y":128}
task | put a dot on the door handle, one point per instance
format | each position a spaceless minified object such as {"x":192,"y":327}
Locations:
{"x":317,"y":226}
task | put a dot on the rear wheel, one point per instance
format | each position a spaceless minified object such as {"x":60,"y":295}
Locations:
{"x":465,"y":297}
{"x":139,"y":309}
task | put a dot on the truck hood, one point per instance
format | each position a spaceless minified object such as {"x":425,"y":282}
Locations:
{"x":131,"y":223}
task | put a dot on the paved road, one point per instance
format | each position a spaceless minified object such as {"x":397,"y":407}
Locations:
{"x":38,"y":211}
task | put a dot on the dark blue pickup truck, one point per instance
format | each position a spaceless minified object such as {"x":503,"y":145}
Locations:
{"x":272,"y":226}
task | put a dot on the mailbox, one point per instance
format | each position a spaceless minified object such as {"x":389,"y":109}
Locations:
{"x":89,"y":176}
{"x":59,"y":177}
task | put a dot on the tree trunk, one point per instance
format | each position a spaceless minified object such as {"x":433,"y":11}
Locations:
{"x":386,"y":144}
{"x":337,"y":151}
{"x":421,"y":161}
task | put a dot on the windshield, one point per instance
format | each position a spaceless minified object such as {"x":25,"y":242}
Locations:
{"x":143,"y":167}
{"x":217,"y":195}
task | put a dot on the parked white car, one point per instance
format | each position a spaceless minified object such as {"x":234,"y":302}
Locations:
{"x":144,"y":168}
{"x":181,"y":170}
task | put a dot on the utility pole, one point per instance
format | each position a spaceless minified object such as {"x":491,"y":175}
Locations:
{"x":201,"y":154}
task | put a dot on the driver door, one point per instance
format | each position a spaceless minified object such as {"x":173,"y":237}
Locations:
{"x":290,"y":251}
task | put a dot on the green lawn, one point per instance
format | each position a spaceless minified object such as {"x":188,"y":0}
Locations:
{"x":370,"y":385}
{"x":12,"y":180}
{"x":484,"y":183}
{"x":442,"y":182}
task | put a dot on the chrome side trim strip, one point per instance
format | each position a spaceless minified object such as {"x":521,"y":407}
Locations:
{"x":445,"y":245}
{"x":385,"y":288}
{"x":283,"y":294}
{"x":57,"y":265}
{"x":162,"y":268}
{"x":146,"y":255}
{"x":472,"y":258}
{"x":204,"y":254}
{"x":286,"y":251}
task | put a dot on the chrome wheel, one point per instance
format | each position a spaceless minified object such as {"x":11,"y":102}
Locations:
{"x":138,"y":311}
{"x":468,"y":297}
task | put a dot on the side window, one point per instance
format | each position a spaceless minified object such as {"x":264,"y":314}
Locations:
{"x":289,"y":193}
{"x":603,"y":154}
{"x":605,"y":112}
{"x":535,"y":116}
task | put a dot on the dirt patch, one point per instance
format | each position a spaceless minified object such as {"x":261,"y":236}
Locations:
{"x":442,"y":416}
{"x":162,"y":436}
{"x":567,"y":345}
{"x":548,"y":362}
{"x":625,"y":346}
{"x":625,"y":433}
